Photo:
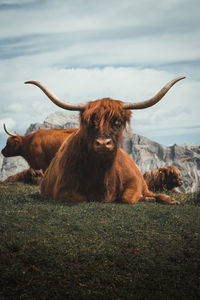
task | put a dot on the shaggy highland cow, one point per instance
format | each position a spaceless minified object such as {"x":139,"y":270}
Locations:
{"x":90,"y":165}
{"x":37,"y":148}
{"x":163,"y":179}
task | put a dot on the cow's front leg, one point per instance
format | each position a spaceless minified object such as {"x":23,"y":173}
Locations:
{"x":165,"y":199}
{"x":70,"y":196}
{"x":131,"y":195}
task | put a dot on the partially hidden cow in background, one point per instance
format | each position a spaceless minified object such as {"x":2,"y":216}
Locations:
{"x":90,"y":165}
{"x":164,"y":179}
{"x":37,"y":148}
{"x":29,"y":176}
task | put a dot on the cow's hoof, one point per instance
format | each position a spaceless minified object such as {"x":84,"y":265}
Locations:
{"x":174,"y":202}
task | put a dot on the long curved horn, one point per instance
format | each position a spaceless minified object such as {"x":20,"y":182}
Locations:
{"x":56,"y":100}
{"x":155,"y":99}
{"x":9,"y":133}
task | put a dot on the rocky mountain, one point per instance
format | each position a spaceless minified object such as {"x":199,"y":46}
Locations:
{"x":59,"y":119}
{"x":148,"y":155}
{"x":12,"y":165}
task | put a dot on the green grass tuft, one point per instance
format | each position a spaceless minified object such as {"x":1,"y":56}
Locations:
{"x":53,"y":250}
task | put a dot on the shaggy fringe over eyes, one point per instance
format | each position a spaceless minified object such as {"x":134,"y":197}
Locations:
{"x":106,"y":111}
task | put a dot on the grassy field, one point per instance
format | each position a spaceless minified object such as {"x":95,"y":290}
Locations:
{"x":52,"y":250}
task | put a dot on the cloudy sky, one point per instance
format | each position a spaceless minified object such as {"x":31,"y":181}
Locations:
{"x":88,"y":49}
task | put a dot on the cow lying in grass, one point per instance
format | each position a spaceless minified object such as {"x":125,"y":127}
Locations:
{"x":163,"y":179}
{"x":29,"y":176}
{"x":37,"y":148}
{"x":90,"y":165}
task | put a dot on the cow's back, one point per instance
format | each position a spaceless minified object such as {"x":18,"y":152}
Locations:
{"x":45,"y":144}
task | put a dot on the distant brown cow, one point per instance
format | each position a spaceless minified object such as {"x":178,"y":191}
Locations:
{"x":37,"y":148}
{"x":29,"y":176}
{"x":163,"y":179}
{"x":90,"y":165}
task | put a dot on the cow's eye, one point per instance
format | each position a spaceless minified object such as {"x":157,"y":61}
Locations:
{"x":117,"y":123}
{"x":92,"y":121}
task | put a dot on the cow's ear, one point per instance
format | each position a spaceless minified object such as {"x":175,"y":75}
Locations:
{"x":172,"y":170}
{"x":126,"y":117}
{"x":167,"y":170}
{"x":16,"y":140}
{"x":162,"y":174}
{"x":161,"y":170}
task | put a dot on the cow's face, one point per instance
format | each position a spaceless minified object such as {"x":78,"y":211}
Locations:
{"x":102,"y":123}
{"x":173,"y":176}
{"x":176,"y":176}
{"x":12,"y":147}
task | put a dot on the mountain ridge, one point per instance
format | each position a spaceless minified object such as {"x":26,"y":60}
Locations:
{"x":147,"y":154}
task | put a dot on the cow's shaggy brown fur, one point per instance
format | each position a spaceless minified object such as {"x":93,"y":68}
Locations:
{"x":163,"y":179}
{"x":29,"y":176}
{"x":37,"y":148}
{"x":83,"y":170}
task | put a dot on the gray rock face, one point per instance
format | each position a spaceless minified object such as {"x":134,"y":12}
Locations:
{"x":148,"y":155}
{"x":1,"y":160}
{"x":11,"y":165}
{"x":58,"y":120}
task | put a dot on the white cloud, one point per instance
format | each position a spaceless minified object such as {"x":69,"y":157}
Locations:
{"x":14,"y":108}
{"x":172,"y":115}
{"x":11,"y":2}
{"x":80,"y":16}
{"x":84,"y":50}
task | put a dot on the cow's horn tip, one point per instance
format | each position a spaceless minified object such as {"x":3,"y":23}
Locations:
{"x":31,"y":81}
